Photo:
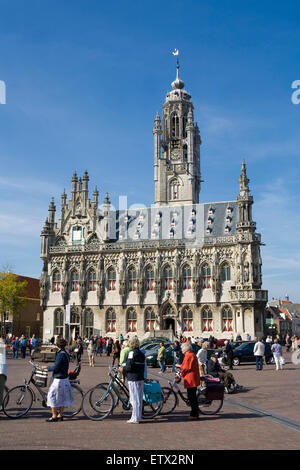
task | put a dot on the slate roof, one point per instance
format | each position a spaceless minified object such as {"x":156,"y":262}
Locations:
{"x":173,"y":222}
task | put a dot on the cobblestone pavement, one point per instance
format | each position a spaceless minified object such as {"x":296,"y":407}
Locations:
{"x":239,"y":425}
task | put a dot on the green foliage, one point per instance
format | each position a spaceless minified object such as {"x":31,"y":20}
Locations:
{"x":11,"y":292}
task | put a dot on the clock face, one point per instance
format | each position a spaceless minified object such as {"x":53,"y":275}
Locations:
{"x":175,"y":155}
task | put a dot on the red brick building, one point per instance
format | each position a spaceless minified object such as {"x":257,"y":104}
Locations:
{"x":29,"y":318}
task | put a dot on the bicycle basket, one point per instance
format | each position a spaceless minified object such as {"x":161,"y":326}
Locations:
{"x":152,"y":392}
{"x":41,"y":377}
{"x":214,"y":391}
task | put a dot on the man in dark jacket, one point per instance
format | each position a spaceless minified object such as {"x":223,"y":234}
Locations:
{"x":215,"y":370}
{"x":134,"y":371}
{"x":228,"y":354}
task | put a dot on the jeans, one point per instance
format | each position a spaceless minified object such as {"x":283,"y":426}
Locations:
{"x":162,"y":364}
{"x":15,"y":353}
{"x":259,"y":362}
{"x":175,"y":361}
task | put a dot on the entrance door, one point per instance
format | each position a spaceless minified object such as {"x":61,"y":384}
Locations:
{"x":169,"y":323}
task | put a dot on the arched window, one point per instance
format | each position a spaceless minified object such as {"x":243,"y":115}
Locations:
{"x":111,"y":321}
{"x":58,"y":322}
{"x":187,"y":319}
{"x":132,"y":279}
{"x":92,"y":280}
{"x":227,"y":319}
{"x":175,"y":126}
{"x":187,"y":277}
{"x":111,"y":279}
{"x":225,"y":272}
{"x":207,"y":319}
{"x":168,"y":278}
{"x":131,"y":321}
{"x":56,"y":281}
{"x":74,"y":281}
{"x":174,"y":190}
{"x":150,"y":279}
{"x":206,"y":276}
{"x":149,"y":319}
{"x":89,"y":323}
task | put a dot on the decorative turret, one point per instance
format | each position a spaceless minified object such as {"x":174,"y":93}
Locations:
{"x":245,"y":201}
{"x":52,"y":209}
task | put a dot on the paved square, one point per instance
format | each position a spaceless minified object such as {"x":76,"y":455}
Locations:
{"x":239,"y":424}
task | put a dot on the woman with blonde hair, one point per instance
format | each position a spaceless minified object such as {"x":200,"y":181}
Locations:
{"x":134,"y":370}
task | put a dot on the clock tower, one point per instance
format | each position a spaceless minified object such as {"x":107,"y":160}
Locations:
{"x":176,"y":150}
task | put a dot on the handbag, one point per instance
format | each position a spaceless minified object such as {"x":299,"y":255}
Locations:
{"x":152,"y":392}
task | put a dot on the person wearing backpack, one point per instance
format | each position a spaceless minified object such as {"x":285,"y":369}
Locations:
{"x":24,"y":342}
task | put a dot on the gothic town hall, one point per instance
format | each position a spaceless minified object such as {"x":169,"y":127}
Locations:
{"x":183,"y":266}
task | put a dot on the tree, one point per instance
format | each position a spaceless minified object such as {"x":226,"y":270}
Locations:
{"x":11,"y":292}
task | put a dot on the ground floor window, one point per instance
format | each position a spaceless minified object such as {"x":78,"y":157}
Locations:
{"x":187,"y":319}
{"x":227,"y":319}
{"x":58,"y":322}
{"x":111,"y":321}
{"x":207,"y":319}
{"x":131,"y":321}
{"x":149,"y":319}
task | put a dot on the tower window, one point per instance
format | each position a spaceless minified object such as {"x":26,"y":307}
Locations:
{"x":175,"y":127}
{"x":174,"y":190}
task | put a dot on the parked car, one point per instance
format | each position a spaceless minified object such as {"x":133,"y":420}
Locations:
{"x":244,"y":353}
{"x":154,"y":339}
{"x":151,"y":355}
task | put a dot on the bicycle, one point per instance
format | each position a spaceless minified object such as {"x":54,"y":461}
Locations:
{"x":170,"y":399}
{"x":100,"y":401}
{"x":18,"y":401}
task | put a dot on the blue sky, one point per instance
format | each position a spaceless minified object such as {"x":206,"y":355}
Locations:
{"x":84,"y":80}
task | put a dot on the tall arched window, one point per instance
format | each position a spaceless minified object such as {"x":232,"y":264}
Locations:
{"x":132,"y":279}
{"x":150,"y":279}
{"x":206,"y":276}
{"x":187,"y":319}
{"x":111,"y":321}
{"x":168,"y":278}
{"x":175,"y":126}
{"x":227,"y":318}
{"x":207,"y":319}
{"x":92,"y":280}
{"x":149,"y":319}
{"x":75,"y":317}
{"x":88,"y":323}
{"x":58,"y":322}
{"x":74,"y":281}
{"x":111,"y":279}
{"x":187,"y":277}
{"x":225,"y":272}
{"x":56,"y":281}
{"x":131,"y":321}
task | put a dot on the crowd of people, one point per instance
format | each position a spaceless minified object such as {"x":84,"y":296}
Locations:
{"x":19,"y":345}
{"x":130,"y":358}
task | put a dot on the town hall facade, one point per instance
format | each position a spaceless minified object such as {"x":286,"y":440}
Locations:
{"x":193,"y":268}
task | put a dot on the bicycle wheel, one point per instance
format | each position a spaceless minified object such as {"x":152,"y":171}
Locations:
{"x":208,"y":407}
{"x":170,"y":401}
{"x":74,"y":409}
{"x":18,"y":401}
{"x":97,"y":403}
{"x":150,"y":410}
